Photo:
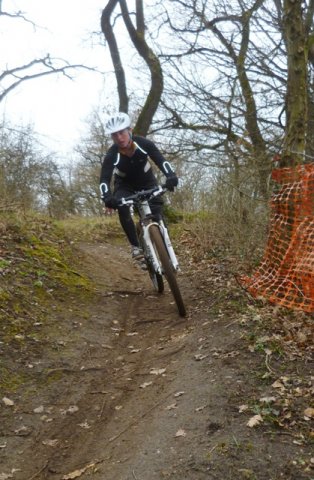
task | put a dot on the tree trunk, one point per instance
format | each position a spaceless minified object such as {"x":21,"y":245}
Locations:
{"x":115,"y":56}
{"x":138,"y":38}
{"x":297,"y":88}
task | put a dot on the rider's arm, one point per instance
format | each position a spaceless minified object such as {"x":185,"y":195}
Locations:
{"x":107,"y":170}
{"x":157,"y":157}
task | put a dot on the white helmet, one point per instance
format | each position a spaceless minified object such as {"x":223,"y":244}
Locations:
{"x":117,"y":122}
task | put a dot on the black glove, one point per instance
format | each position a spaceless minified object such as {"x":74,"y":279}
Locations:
{"x":171,"y":182}
{"x":110,"y":201}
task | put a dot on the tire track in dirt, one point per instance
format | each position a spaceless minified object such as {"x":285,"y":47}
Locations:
{"x":97,"y":372}
{"x":154,"y":396}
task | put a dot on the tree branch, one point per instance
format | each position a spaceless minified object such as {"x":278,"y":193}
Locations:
{"x":115,"y":55}
{"x":47,"y":62}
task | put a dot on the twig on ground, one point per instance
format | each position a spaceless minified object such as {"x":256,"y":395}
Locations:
{"x":39,"y":472}
{"x":267,"y":363}
{"x":70,"y":370}
{"x":113,"y":439}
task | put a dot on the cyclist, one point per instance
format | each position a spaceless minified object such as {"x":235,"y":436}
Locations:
{"x":127,"y":161}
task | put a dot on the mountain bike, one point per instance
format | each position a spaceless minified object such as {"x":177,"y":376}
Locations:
{"x":154,"y":239}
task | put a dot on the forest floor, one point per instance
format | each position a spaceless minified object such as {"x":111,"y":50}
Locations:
{"x":113,"y":385}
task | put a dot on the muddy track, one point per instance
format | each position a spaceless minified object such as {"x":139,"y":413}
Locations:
{"x":103,"y":358}
{"x":137,"y":392}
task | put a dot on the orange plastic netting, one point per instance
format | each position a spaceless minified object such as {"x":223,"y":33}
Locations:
{"x":286,"y":273}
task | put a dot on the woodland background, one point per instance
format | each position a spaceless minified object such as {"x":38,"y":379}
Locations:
{"x":226,"y":89}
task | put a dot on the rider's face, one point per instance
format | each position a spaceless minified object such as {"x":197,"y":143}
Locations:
{"x":122,"y":138}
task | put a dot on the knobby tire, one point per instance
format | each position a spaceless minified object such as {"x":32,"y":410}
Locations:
{"x":155,"y":277}
{"x":169,"y":273}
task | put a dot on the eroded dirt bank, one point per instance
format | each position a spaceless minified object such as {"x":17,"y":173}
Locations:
{"x":126,"y":389}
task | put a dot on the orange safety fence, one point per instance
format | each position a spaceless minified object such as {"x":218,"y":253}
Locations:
{"x":286,"y":273}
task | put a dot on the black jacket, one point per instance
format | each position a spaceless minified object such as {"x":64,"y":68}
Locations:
{"x":135,"y":171}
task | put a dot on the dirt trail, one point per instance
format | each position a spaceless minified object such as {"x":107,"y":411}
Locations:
{"x":137,"y":392}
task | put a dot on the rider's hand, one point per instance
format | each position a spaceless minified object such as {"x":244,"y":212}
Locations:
{"x":171,"y":182}
{"x":111,"y":202}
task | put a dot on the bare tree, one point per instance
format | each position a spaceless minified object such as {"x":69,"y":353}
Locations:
{"x":108,"y":32}
{"x":225,"y":74}
{"x":137,"y":36}
{"x":13,"y":77}
{"x":227,"y":80}
{"x":25,"y":171}
{"x":297,"y":88}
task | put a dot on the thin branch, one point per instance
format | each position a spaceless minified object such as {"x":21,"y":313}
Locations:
{"x":46,"y":62}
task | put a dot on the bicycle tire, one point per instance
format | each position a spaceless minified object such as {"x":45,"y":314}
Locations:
{"x":155,"y":277}
{"x":168,"y":271}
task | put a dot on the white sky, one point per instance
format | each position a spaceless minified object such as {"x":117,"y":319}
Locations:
{"x":55,"y":105}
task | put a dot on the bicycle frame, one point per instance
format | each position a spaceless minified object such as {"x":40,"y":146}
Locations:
{"x":154,"y":238}
{"x":146,"y":220}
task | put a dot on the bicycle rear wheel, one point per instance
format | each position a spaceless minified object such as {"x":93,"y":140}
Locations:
{"x":169,"y":273}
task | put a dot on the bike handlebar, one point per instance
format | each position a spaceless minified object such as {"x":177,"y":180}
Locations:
{"x":143,"y":195}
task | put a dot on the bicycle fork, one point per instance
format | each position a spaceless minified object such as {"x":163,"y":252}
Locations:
{"x":164,"y":233}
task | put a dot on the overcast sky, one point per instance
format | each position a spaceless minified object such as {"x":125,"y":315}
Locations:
{"x":55,"y":105}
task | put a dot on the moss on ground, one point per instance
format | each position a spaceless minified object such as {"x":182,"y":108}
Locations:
{"x":39,"y":269}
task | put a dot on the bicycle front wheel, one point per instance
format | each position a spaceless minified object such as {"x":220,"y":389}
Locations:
{"x":155,"y":277}
{"x":169,"y":273}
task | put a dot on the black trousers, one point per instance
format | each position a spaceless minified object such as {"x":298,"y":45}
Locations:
{"x":122,"y":189}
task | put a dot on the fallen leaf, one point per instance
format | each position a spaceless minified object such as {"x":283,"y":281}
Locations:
{"x":19,"y":336}
{"x":172,"y":406}
{"x":286,"y":380}
{"x":243,"y":408}
{"x":77,"y":473}
{"x":301,"y":337}
{"x":44,"y":418}
{"x":180,"y":433}
{"x":72,"y":409}
{"x":22,"y":431}
{"x":39,"y":409}
{"x":178,"y":394}
{"x":309,"y":412}
{"x":51,"y":443}
{"x":267,"y":399}
{"x":298,"y":442}
{"x":254,"y":421}
{"x":199,"y":356}
{"x":199,"y":409}
{"x":84,"y":425}
{"x":278,"y":384}
{"x":145,"y":384}
{"x":157,"y":371}
{"x":7,"y":402}
{"x":216,"y":354}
